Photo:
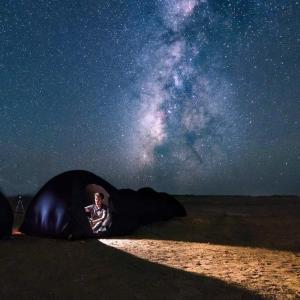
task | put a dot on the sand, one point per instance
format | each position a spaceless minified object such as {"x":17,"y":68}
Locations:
{"x":227,"y":248}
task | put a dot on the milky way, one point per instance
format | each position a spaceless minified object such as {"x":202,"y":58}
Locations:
{"x":184,"y":116}
{"x":186,"y":96}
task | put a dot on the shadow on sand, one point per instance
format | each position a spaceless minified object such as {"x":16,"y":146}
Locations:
{"x":33,"y":268}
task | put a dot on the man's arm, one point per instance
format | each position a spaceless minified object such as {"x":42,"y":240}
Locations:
{"x":88,"y":208}
{"x":95,"y":221}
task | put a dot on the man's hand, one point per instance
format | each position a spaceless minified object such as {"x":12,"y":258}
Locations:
{"x":94,"y":222}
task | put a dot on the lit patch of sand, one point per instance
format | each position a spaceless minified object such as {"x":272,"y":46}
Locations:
{"x":267,"y":272}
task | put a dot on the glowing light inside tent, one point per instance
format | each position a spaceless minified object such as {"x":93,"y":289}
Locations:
{"x":59,"y":214}
{"x":50,"y":213}
{"x":43,"y":209}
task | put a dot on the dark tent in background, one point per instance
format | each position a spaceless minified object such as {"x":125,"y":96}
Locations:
{"x":149,"y":206}
{"x":6,"y":217}
{"x":58,"y":209}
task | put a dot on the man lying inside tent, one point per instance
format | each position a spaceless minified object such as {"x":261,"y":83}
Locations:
{"x":98,"y":214}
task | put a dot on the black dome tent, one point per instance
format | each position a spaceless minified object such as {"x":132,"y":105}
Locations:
{"x":6,"y":217}
{"x":58,"y":209}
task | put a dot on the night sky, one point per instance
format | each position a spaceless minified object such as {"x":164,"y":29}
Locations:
{"x":186,"y":96}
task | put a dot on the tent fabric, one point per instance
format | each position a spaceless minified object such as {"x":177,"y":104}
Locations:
{"x":6,"y":217}
{"x":150,"y":206}
{"x":57,"y":210}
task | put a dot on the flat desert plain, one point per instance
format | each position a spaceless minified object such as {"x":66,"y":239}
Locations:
{"x":227,"y":247}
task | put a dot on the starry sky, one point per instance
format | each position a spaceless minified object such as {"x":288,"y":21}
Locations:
{"x":186,"y":96}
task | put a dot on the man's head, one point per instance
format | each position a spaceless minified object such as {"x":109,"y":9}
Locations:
{"x":99,"y":199}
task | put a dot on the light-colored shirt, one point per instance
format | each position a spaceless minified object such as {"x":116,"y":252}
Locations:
{"x":97,"y":212}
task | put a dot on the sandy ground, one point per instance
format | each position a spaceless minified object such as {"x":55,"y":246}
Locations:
{"x":33,"y":268}
{"x":273,"y":274}
{"x":243,"y":243}
{"x":224,"y":249}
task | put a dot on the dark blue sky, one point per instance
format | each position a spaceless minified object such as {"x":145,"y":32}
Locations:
{"x":187,"y":96}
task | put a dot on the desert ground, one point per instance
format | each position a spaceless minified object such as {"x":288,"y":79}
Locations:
{"x":226,"y":248}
